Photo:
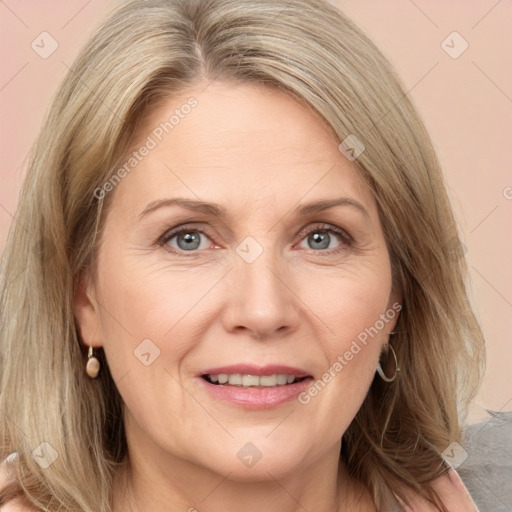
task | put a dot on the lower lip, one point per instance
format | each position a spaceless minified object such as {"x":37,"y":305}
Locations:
{"x":256,"y":397}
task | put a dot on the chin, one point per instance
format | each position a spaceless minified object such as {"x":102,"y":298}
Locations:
{"x":258,"y":461}
{"x":262,"y":471}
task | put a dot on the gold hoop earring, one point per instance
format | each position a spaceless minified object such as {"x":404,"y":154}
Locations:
{"x":93,"y":365}
{"x":397,"y":369}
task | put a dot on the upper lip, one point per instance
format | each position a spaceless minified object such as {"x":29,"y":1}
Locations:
{"x":250,"y":369}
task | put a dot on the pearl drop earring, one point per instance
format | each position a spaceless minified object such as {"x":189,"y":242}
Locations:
{"x":93,"y":365}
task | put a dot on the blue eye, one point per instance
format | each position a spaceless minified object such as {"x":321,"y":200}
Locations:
{"x":319,"y":237}
{"x":187,"y":239}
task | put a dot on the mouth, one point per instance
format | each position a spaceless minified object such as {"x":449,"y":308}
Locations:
{"x":255,"y":387}
{"x":248,"y":380}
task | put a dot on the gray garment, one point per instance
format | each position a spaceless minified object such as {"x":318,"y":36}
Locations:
{"x":487,"y":471}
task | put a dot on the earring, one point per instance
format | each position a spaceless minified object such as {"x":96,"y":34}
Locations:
{"x":93,"y":365}
{"x":397,"y":369}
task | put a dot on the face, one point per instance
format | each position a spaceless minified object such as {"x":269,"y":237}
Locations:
{"x":287,"y":301}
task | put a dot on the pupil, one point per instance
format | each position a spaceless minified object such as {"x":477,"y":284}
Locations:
{"x":321,"y":237}
{"x":190,"y":239}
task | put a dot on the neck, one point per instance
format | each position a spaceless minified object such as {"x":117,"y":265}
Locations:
{"x":141,"y":485}
{"x":154,"y":479}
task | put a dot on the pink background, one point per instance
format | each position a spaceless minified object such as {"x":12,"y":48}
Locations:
{"x":466,"y":103}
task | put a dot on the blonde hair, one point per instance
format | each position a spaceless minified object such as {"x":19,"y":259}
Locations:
{"x":146,"y":51}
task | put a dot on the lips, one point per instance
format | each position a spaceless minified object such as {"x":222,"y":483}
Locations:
{"x":257,"y":371}
{"x":248,"y":380}
{"x":255,"y":387}
{"x":250,"y":375}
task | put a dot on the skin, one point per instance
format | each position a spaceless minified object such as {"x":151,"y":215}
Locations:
{"x":260,"y":154}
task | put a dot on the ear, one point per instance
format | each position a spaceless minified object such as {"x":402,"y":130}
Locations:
{"x":393,"y":308}
{"x":87,"y":313}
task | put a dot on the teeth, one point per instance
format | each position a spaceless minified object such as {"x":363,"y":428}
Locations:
{"x":268,"y":380}
{"x":252,"y":380}
{"x":235,"y":380}
{"x":283,"y":379}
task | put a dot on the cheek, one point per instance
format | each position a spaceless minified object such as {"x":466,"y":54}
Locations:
{"x":351,"y":302}
{"x":151,"y":320}
{"x":165,"y":303}
{"x":147,"y":300}
{"x":146,"y":334}
{"x":354,"y":307}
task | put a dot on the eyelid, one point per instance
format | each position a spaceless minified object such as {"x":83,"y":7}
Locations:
{"x":323,"y":226}
{"x":171,"y":233}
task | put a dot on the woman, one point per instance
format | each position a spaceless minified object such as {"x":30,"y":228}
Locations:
{"x":172,"y":337}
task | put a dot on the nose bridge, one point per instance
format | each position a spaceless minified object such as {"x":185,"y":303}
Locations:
{"x":261,"y":269}
{"x":262,"y":301}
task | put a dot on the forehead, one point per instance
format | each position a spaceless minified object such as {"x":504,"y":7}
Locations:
{"x":240,"y":144}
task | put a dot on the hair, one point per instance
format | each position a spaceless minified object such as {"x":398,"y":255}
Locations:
{"x":147,"y":51}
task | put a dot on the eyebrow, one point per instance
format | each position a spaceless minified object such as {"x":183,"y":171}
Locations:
{"x":216,"y":210}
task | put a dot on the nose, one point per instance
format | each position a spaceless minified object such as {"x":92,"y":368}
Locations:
{"x":262,"y":300}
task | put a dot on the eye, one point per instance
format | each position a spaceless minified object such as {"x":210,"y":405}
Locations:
{"x":321,"y":236}
{"x":186,"y":239}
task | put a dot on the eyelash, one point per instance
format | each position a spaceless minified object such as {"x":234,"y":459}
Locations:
{"x":347,"y":240}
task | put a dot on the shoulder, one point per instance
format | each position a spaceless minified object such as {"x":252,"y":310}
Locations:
{"x":487,"y":470}
{"x":451,"y":490}
{"x":17,"y":504}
